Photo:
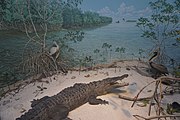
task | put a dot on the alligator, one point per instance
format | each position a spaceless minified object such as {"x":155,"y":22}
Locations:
{"x":58,"y":106}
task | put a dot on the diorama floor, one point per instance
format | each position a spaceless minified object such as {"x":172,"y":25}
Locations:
{"x":14,"y":105}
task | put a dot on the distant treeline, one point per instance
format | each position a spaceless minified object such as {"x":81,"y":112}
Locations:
{"x":77,"y":18}
{"x":56,"y":14}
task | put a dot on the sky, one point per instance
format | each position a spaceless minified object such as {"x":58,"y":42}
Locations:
{"x":118,"y":9}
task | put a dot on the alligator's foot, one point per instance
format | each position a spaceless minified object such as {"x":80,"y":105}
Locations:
{"x":94,"y":101}
{"x":60,"y":112}
{"x":35,"y":102}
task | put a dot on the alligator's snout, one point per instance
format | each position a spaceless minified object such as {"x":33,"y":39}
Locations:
{"x":125,"y":75}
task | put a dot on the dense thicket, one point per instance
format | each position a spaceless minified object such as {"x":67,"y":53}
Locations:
{"x":57,"y":14}
{"x":36,"y":18}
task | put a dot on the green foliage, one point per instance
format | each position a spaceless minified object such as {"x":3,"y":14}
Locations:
{"x":173,"y":108}
{"x":176,"y":71}
{"x":74,"y":17}
{"x":96,"y":51}
{"x":145,"y":102}
{"x":3,"y":4}
{"x":106,"y":46}
{"x":106,"y":53}
{"x":120,"y":51}
{"x":85,"y":61}
{"x":76,"y":36}
{"x":141,"y":51}
{"x":61,"y":13}
{"x":91,"y":18}
{"x":8,"y":11}
{"x":36,"y":17}
{"x":161,"y":25}
{"x":37,"y":61}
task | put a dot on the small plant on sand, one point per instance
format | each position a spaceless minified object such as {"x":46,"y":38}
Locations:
{"x":133,"y":56}
{"x":107,"y":49}
{"x":89,"y":61}
{"x":141,"y":51}
{"x":120,"y":51}
{"x":96,"y":52}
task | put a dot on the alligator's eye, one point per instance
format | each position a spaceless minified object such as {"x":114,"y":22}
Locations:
{"x":113,"y":83}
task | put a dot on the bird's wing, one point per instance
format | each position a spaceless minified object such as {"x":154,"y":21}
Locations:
{"x":53,"y":50}
{"x":160,"y":67}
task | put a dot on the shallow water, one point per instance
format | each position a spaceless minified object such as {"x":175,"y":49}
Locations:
{"x":118,"y":35}
{"x":124,"y":34}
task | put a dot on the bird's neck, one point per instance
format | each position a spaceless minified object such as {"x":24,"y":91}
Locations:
{"x":153,"y":58}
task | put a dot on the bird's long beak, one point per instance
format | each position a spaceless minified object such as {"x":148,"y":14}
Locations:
{"x":155,"y":54}
{"x":151,"y":55}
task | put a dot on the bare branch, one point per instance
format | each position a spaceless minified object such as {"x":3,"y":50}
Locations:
{"x":132,"y":99}
{"x":30,"y":15}
{"x":136,"y":97}
{"x":155,"y":117}
{"x":154,"y":96}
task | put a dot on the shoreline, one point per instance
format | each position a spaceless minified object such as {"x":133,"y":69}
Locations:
{"x":18,"y":30}
{"x":14,"y":105}
{"x":33,"y":79}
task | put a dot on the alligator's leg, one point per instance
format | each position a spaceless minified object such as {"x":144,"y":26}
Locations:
{"x":35,"y":102}
{"x":59,"y":112}
{"x":94,"y":101}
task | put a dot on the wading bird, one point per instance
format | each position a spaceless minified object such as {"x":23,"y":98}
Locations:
{"x":54,"y":51}
{"x":158,"y":68}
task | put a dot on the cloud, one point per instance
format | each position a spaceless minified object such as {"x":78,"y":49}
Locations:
{"x":125,"y":11}
{"x":144,"y":12}
{"x":106,"y":11}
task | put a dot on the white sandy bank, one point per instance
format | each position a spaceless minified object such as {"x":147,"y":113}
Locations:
{"x":13,"y":106}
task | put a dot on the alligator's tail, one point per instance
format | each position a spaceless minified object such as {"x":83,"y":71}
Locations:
{"x":45,"y":109}
{"x":36,"y":113}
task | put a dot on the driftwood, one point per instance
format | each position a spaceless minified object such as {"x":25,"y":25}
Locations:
{"x":155,"y":117}
{"x":156,"y":96}
{"x":133,"y":99}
